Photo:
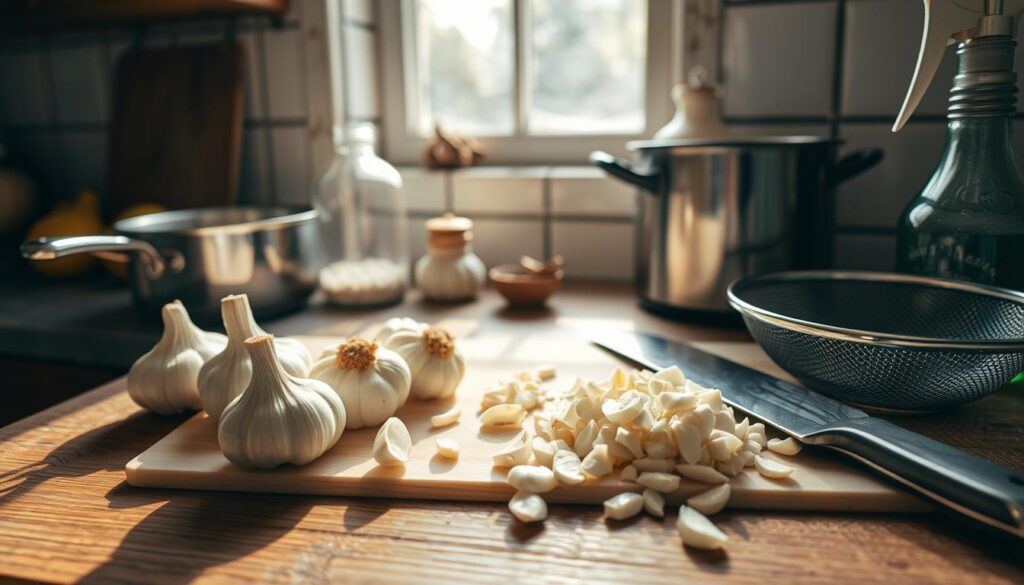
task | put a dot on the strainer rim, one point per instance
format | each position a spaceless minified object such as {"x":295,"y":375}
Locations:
{"x":867,"y":337}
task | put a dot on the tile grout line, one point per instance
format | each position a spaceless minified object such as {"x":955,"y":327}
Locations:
{"x":546,"y":223}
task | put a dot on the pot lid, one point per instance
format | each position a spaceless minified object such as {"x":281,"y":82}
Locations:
{"x":730,"y":141}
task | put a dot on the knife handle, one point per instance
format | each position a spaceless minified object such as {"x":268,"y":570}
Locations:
{"x":974,"y":487}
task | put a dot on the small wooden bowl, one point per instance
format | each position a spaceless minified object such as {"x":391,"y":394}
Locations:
{"x":522,"y":288}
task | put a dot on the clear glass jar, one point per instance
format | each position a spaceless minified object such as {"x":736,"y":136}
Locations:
{"x":363,"y":223}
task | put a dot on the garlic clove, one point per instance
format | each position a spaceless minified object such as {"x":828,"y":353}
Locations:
{"x":711,"y":501}
{"x":515,"y":452}
{"x":623,"y":506}
{"x":788,"y":446}
{"x":598,"y":462}
{"x":503,"y":414}
{"x":659,"y":481}
{"x":654,"y":503}
{"x":306,"y":415}
{"x":567,"y":468}
{"x":392,"y":444}
{"x":165,"y":379}
{"x":447,"y":447}
{"x":527,"y":507}
{"x":653,"y":464}
{"x":688,"y":440}
{"x":701,"y":473}
{"x":771,"y":469}
{"x":631,"y":440}
{"x":628,"y":473}
{"x":697,"y":531}
{"x":373,"y":382}
{"x":446,"y":418}
{"x":532,"y":478}
{"x":543,"y":451}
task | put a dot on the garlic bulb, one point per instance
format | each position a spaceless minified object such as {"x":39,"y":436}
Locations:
{"x":279,"y":418}
{"x":396,"y":324}
{"x":227,"y":374}
{"x":371,"y":381}
{"x":437,"y":366}
{"x":164,"y":379}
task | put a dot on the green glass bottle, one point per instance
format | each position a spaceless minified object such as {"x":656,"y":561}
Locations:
{"x":968,"y":221}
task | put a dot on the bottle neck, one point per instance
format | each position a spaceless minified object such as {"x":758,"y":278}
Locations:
{"x":985,"y":85}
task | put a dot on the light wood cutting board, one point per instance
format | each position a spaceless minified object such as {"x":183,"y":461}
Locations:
{"x":189,"y":458}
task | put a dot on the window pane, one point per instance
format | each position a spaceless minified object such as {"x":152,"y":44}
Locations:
{"x":587,"y":66}
{"x":464,"y":53}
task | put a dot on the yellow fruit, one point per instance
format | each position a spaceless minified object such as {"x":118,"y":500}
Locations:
{"x":120,"y":269}
{"x":78,"y":218}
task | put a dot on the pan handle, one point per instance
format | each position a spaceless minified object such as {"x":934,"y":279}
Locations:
{"x":856,"y":163}
{"x":648,"y":181}
{"x":52,"y":248}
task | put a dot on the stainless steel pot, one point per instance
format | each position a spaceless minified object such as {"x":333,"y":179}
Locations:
{"x":202,"y":255}
{"x":712,"y":212}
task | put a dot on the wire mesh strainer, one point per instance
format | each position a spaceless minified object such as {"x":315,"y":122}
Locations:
{"x":886,"y":341}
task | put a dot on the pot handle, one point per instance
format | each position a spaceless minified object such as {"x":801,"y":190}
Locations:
{"x":856,"y":163}
{"x":58,"y":247}
{"x":648,"y":181}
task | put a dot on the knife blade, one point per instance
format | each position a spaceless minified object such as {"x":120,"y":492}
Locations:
{"x":977,"y":489}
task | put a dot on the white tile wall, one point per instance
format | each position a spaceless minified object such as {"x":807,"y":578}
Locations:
{"x":424,"y":190}
{"x":291,"y":165}
{"x":865,"y":252}
{"x":595,"y":250}
{"x":778,"y":59}
{"x":877,"y":197}
{"x":504,"y":190}
{"x":79,"y":83}
{"x":360,"y":61}
{"x":286,"y":83}
{"x":23,"y":94}
{"x":501,"y":241}
{"x":417,"y":239}
{"x":588,"y":191}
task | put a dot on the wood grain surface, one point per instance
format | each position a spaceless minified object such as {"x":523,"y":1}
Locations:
{"x":67,"y":514}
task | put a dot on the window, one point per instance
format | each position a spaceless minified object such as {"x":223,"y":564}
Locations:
{"x":536,"y":81}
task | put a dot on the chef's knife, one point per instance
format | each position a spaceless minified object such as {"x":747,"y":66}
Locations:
{"x":974,"y":487}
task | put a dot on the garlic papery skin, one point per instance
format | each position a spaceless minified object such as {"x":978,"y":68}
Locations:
{"x":436,"y":364}
{"x":279,"y":418}
{"x":164,"y":378}
{"x":373,"y":382}
{"x":227,"y":374}
{"x":396,"y":324}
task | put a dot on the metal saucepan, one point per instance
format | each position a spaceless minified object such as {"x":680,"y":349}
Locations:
{"x":713,"y":211}
{"x":202,"y":255}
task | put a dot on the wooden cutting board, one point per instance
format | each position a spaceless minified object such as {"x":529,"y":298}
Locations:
{"x":177,"y":127}
{"x":189,"y":458}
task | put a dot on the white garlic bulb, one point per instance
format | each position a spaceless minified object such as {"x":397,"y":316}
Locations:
{"x":164,"y":379}
{"x":372,"y":382}
{"x":437,"y":366}
{"x":227,"y":374}
{"x":279,"y":418}
{"x":396,"y":324}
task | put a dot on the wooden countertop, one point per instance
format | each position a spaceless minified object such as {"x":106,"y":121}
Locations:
{"x":66,"y":513}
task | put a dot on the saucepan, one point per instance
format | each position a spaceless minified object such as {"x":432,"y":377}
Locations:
{"x":713,"y":211}
{"x":202,"y":255}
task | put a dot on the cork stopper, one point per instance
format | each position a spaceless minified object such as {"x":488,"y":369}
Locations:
{"x":449,"y":231}
{"x":439,"y":341}
{"x":357,"y":354}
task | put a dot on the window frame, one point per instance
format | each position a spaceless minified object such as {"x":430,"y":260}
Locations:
{"x":402,"y":145}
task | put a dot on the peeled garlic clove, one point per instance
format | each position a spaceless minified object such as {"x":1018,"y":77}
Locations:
{"x":630,"y":440}
{"x":543,"y":451}
{"x":567,"y":468}
{"x":585,"y":439}
{"x":623,"y":506}
{"x":771,"y":469}
{"x":372,"y":381}
{"x":676,"y":403}
{"x":532,"y":478}
{"x":516,"y":452}
{"x":625,"y":409}
{"x":660,"y":450}
{"x":503,"y":414}
{"x":654,"y":503}
{"x":788,"y":446}
{"x":723,"y":448}
{"x":447,"y":447}
{"x":597,"y":463}
{"x":688,"y":440}
{"x":701,"y":473}
{"x":528,"y":507}
{"x":392,"y":443}
{"x":711,"y":501}
{"x":697,"y":531}
{"x":628,"y":473}
{"x":436,"y":364}
{"x":658,"y":481}
{"x":446,"y":418}
{"x":673,"y":375}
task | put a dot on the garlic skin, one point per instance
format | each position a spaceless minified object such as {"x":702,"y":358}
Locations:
{"x":437,"y":366}
{"x":227,"y":374}
{"x":164,"y":378}
{"x":396,"y":324}
{"x":279,"y":418}
{"x":372,"y":382}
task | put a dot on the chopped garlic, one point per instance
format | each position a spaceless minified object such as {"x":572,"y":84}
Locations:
{"x":446,"y":418}
{"x":515,"y":452}
{"x":653,"y":464}
{"x":628,"y":473}
{"x":688,"y":439}
{"x":697,"y":531}
{"x":711,"y":501}
{"x":701,"y":473}
{"x":532,"y":478}
{"x":659,"y":481}
{"x":623,"y":506}
{"x":447,"y":447}
{"x":771,"y":469}
{"x":630,"y":440}
{"x":567,"y":468}
{"x":597,"y":463}
{"x":787,"y":446}
{"x":528,"y":507}
{"x":654,"y":503}
{"x":543,"y":451}
{"x":503,"y":414}
{"x":585,"y":439}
